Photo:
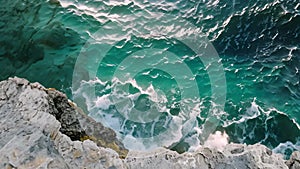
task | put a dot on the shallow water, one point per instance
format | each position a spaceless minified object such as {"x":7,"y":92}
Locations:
{"x":145,"y":81}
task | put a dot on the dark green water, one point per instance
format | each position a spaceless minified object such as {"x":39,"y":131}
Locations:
{"x":146,"y":83}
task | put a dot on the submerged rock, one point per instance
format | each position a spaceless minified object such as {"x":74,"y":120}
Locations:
{"x":34,"y":38}
{"x":40,"y":128}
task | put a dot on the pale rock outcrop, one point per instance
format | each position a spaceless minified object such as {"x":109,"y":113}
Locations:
{"x":31,"y":137}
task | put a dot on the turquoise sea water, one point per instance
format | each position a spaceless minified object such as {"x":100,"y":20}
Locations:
{"x":147,"y":83}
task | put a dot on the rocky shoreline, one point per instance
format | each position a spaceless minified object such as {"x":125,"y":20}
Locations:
{"x":41,"y":128}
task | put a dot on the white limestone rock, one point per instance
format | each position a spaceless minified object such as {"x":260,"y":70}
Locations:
{"x":30,"y":136}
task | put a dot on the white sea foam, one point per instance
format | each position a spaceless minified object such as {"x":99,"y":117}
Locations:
{"x":103,"y":102}
{"x":252,"y":112}
{"x":287,"y":148}
{"x":217,"y":140}
{"x":117,"y":109}
{"x":266,"y":123}
{"x":100,"y":109}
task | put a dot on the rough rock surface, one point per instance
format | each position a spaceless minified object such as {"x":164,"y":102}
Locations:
{"x":39,"y":128}
{"x":294,"y":161}
{"x":233,"y":156}
{"x":31,"y":137}
{"x":78,"y":126}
